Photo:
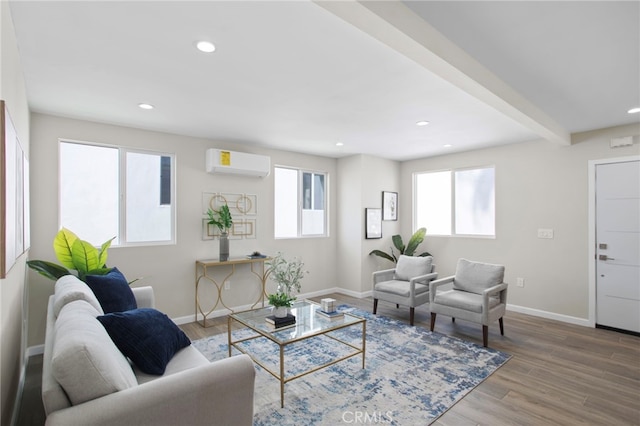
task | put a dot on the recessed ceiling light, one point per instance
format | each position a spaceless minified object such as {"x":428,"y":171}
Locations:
{"x":146,"y":106}
{"x":422,"y":123}
{"x":339,"y":144}
{"x":634,"y":110}
{"x":205,"y":46}
{"x":447,"y":145}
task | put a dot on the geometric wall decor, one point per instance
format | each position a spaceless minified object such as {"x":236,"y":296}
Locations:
{"x":243,"y":209}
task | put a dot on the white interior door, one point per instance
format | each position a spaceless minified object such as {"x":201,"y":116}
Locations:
{"x":618,"y":245}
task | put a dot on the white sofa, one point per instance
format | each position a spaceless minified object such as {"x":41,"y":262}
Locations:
{"x":87,"y":381}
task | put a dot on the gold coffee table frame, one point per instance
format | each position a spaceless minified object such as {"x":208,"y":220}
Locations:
{"x":308,"y":325}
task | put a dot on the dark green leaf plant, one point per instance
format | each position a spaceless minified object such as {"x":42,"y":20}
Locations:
{"x":409,"y":250}
{"x":220,"y":218}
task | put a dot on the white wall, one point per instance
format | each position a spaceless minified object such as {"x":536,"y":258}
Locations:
{"x":538,"y":185}
{"x":362,"y":180}
{"x":13,"y":92}
{"x":170,"y":269}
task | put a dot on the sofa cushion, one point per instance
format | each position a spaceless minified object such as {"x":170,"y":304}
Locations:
{"x":113,"y":291}
{"x":410,"y":267}
{"x":147,"y":336}
{"x":475,"y":277}
{"x":70,"y":288}
{"x":400,"y":288}
{"x":85,"y":361}
{"x":464,"y":300}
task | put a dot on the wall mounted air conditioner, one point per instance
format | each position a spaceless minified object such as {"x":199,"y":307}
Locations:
{"x":220,"y":161}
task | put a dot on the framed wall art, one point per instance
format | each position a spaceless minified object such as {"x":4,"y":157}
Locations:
{"x":389,"y":205}
{"x":14,"y":216}
{"x":373,"y":223}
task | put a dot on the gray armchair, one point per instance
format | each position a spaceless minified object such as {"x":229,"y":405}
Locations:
{"x":478,"y":295}
{"x":407,"y":284}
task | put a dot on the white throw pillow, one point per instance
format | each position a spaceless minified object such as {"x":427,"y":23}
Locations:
{"x":70,"y":288}
{"x":410,"y":267}
{"x":85,"y":361}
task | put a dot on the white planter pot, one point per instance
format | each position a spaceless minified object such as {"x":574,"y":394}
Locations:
{"x":280,"y":311}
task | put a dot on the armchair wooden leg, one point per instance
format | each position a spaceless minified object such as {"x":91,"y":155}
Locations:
{"x":433,"y":320}
{"x":375,"y":306}
{"x":397,"y":306}
{"x":485,"y":335}
{"x":453,"y":319}
{"x":501,"y":326}
{"x":412,"y":312}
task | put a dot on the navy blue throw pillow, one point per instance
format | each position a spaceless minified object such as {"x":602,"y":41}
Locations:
{"x":112,"y":291}
{"x":146,"y":336}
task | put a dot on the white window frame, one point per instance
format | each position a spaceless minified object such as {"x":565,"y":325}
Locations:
{"x":122,"y":195}
{"x":300,"y":204}
{"x":452,"y":172}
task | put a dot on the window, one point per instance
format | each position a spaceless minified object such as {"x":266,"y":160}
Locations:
{"x":455,"y":202}
{"x":300,"y":203}
{"x":108,"y":191}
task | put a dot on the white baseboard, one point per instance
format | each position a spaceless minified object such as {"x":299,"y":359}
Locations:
{"x":550,"y":315}
{"x":34,"y":350}
{"x":222,"y":312}
{"x":361,"y":295}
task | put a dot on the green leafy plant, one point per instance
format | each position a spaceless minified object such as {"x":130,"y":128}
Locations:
{"x":416,"y":239}
{"x":287,"y":274}
{"x":278,"y":300}
{"x":220,"y":218}
{"x":76,"y":254}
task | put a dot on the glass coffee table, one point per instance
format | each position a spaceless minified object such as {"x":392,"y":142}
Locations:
{"x":308,"y":324}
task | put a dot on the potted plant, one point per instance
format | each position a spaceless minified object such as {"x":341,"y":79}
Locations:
{"x":416,"y":239}
{"x":222,"y":219}
{"x":281,"y":303}
{"x":75,"y":254}
{"x":287,"y":274}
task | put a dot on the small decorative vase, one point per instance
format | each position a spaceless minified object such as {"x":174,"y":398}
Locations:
{"x":280,"y":311}
{"x":224,"y":246}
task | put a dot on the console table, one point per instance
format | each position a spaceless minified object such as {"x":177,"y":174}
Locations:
{"x":202,"y":272}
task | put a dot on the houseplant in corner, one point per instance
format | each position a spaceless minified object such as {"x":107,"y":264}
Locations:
{"x":416,"y":239}
{"x":222,"y":219}
{"x":73,"y":253}
{"x":287,"y":274}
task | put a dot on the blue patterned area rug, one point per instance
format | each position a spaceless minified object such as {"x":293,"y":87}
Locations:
{"x":411,"y":376}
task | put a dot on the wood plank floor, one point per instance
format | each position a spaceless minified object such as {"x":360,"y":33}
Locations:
{"x":560,"y":374}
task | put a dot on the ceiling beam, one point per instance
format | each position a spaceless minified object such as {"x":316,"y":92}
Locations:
{"x":395,"y":25}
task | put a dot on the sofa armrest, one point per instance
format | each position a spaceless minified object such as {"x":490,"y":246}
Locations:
{"x":421,"y":279}
{"x":433,"y":285}
{"x":144,"y":296}
{"x":500,"y":289}
{"x":218,"y":393}
{"x":384,"y":275}
{"x":426,"y":277}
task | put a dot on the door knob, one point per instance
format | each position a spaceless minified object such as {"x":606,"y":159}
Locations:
{"x":605,"y":257}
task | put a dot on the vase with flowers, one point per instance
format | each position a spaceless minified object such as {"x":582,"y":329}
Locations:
{"x":287,"y":274}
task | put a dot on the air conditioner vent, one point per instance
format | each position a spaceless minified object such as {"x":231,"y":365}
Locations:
{"x":219,"y":161}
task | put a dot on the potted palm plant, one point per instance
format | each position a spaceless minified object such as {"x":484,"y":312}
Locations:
{"x":409,"y":250}
{"x":287,"y":274}
{"x":222,"y":219}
